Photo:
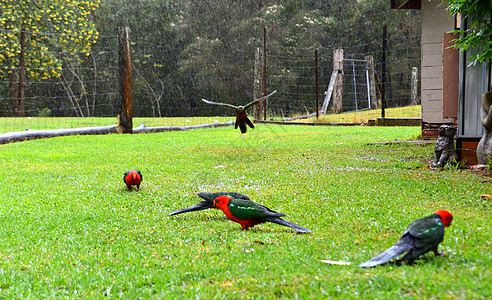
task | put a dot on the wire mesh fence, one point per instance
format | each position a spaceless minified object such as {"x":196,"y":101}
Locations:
{"x":85,"y":91}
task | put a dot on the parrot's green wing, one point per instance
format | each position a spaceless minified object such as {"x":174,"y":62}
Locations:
{"x":218,"y":103}
{"x":244,"y":209}
{"x":259,"y":99}
{"x":428,"y":232}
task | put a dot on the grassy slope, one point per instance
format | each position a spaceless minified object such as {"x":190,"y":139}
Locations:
{"x":69,"y":228}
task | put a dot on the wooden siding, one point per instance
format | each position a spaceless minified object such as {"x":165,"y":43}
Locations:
{"x":467,"y":150}
{"x":450,"y":80}
{"x":435,"y":22}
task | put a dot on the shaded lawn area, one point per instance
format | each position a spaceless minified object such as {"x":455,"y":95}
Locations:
{"x":68,"y":227}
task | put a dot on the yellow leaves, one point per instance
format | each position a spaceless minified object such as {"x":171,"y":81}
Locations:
{"x":69,"y":29}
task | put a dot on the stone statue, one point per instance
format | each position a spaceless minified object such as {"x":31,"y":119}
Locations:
{"x":484,"y":148}
{"x":444,"y":148}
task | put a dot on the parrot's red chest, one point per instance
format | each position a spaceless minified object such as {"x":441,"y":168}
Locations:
{"x":132,"y":178}
{"x":245,"y":224}
{"x":241,"y":115}
{"x":129,"y":179}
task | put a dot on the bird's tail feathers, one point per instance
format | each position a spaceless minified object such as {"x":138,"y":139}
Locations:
{"x":201,"y":206}
{"x":405,"y":244}
{"x":283,"y":222}
{"x":242,"y":125}
{"x":249,"y":123}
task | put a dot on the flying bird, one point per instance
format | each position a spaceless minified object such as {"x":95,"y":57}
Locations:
{"x":240,"y":111}
{"x":208,"y":201}
{"x":421,"y":236}
{"x":248,"y":213}
{"x":132,"y":178}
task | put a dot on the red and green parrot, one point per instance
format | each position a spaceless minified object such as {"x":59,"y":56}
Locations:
{"x":240,"y":111}
{"x":421,"y":236}
{"x":132,"y":178}
{"x":248,"y":213}
{"x":208,"y":201}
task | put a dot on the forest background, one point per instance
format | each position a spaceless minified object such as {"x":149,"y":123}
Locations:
{"x":187,"y":50}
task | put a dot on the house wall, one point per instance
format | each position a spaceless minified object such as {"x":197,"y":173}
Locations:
{"x":474,"y":82}
{"x":435,"y":22}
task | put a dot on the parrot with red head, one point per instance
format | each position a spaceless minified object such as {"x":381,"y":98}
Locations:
{"x":421,"y":236}
{"x":132,"y":178}
{"x":240,"y":111}
{"x":249,"y":213}
{"x":208,"y":201}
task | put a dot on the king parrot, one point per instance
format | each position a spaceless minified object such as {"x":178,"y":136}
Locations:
{"x":208,"y":201}
{"x":132,"y":178}
{"x":249,"y":213}
{"x":421,"y":236}
{"x":240,"y":111}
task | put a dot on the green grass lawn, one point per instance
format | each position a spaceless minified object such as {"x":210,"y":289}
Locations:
{"x":43,"y":123}
{"x":69,"y":228}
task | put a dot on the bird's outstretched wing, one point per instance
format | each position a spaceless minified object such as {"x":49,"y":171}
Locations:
{"x":218,"y":103}
{"x":259,"y":99}
{"x":237,"y":107}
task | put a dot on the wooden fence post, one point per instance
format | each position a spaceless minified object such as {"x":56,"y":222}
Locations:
{"x":126,"y":85}
{"x":257,"y":85}
{"x":383,"y":76}
{"x":372,"y":81}
{"x":316,"y":75}
{"x":264,"y":73}
{"x":414,"y":95}
{"x":338,"y":88}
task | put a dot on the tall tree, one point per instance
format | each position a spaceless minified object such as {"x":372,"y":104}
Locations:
{"x":155,"y":50}
{"x":38,"y":37}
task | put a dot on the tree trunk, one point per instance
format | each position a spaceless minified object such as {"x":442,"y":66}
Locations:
{"x":14,"y":92}
{"x":20,"y":106}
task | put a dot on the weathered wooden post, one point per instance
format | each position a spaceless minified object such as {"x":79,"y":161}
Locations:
{"x":414,"y":86}
{"x":316,"y":73}
{"x":257,"y":85}
{"x":264,"y":73}
{"x":126,"y":85}
{"x":338,"y":88}
{"x":372,"y":81}
{"x":383,"y":77}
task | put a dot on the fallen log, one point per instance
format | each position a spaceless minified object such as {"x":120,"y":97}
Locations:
{"x":300,"y":117}
{"x":144,"y":129}
{"x":29,"y":134}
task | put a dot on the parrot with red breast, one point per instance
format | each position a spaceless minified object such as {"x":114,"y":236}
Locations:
{"x":421,"y":236}
{"x":240,"y":111}
{"x":208,"y":201}
{"x":249,"y":213}
{"x":132,"y":178}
